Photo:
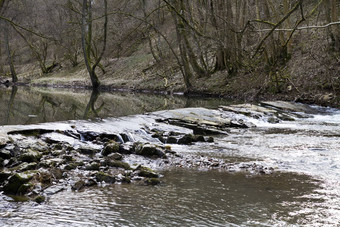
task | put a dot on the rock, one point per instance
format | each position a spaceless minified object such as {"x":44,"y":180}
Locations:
{"x":54,"y":189}
{"x":115,"y":156}
{"x":210,"y":139}
{"x":126,"y":148}
{"x":289,"y":106}
{"x":30,"y":156}
{"x":111,"y":137}
{"x":111,"y":147}
{"x":27,"y":166}
{"x":198,"y":138}
{"x":87,"y":150}
{"x":53,"y":162}
{"x":5,"y":154}
{"x":56,"y":173}
{"x":76,"y":186}
{"x":171,"y":140}
{"x":4,"y":175}
{"x":149,"y":150}
{"x":31,"y":132}
{"x":186,"y":139}
{"x":88,"y":136}
{"x":39,"y":199}
{"x":70,"y":166}
{"x":118,"y":164}
{"x":16,"y":181}
{"x":44,"y":177}
{"x":68,"y":158}
{"x":24,"y":188}
{"x":123,"y":178}
{"x":101,"y":176}
{"x":93,"y":166}
{"x":146,"y":172}
{"x":90,"y":182}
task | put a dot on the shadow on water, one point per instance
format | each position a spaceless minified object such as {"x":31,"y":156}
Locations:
{"x":186,"y":198}
{"x":25,"y":105}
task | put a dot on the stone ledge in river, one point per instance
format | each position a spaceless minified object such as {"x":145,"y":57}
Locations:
{"x":289,"y":106}
{"x":85,"y":154}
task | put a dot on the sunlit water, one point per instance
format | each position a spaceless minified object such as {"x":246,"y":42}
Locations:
{"x":303,"y":191}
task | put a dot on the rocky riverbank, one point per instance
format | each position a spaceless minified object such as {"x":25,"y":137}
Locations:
{"x":37,"y":161}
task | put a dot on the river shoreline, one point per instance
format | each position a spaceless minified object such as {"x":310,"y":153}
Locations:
{"x":326,"y":99}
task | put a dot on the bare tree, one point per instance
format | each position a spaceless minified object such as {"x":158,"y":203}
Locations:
{"x":92,"y":56}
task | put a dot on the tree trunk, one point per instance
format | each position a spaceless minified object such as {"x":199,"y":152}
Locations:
{"x":9,"y":54}
{"x":87,"y":42}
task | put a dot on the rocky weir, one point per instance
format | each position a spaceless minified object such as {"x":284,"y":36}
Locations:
{"x":37,"y":161}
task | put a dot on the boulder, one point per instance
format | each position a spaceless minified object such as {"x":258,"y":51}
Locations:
{"x":171,"y":140}
{"x":118,"y":164}
{"x":109,"y":148}
{"x":16,"y":181}
{"x":77,"y":185}
{"x":186,"y":139}
{"x":146,"y":172}
{"x":5,"y":154}
{"x":30,"y":156}
{"x":107,"y":178}
{"x":115,"y":156}
{"x":149,"y":150}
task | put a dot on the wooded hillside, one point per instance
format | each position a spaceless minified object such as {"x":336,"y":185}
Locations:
{"x":245,"y":48}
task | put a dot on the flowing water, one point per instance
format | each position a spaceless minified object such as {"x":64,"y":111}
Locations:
{"x":303,"y":191}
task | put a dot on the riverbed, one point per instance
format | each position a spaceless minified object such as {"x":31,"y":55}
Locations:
{"x":302,"y":191}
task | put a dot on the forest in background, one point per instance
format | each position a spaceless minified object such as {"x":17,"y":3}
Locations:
{"x":242,"y":48}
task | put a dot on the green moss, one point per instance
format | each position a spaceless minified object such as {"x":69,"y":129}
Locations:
{"x":112,"y":147}
{"x":119,"y":164}
{"x":146,"y":172}
{"x":39,"y":199}
{"x":16,"y":181}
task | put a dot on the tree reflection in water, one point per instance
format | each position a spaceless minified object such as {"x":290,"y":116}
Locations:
{"x":90,"y":108}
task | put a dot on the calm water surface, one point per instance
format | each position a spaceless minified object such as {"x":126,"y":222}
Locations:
{"x":304,"y":191}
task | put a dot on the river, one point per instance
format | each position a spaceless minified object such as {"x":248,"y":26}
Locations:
{"x":303,"y":191}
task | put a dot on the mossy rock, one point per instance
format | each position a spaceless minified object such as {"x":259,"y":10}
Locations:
{"x":87,"y":151}
{"x":93,"y":166}
{"x":40,"y":199}
{"x":48,"y":163}
{"x":115,"y":156}
{"x":27,"y":166}
{"x":111,"y":147}
{"x":146,"y":172}
{"x":198,"y":138}
{"x":71,"y":166}
{"x":76,"y":186}
{"x":23,"y":189}
{"x":119,"y":164}
{"x":16,"y":181}
{"x":107,"y":178}
{"x":186,"y":139}
{"x":30,"y":156}
{"x":149,"y":150}
{"x":68,"y":158}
